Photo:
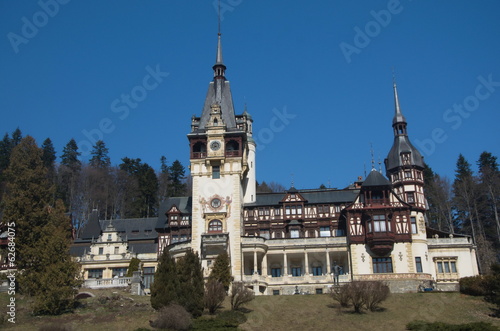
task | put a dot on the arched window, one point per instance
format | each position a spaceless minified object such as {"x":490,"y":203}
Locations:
{"x":215,"y":226}
{"x":199,"y":150}
{"x":232,"y":148}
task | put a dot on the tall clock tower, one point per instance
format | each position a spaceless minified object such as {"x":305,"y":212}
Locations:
{"x":222,"y":158}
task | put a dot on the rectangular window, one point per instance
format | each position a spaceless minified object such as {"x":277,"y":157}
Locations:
{"x":277,"y":211}
{"x":287,"y":210}
{"x":382,"y":265}
{"x":149,"y":276}
{"x":418,"y":263}
{"x":319,"y":291}
{"x":117,"y":250}
{"x":413,"y":221}
{"x":324,"y":231}
{"x":410,"y":196}
{"x":276,"y":292}
{"x":101,"y":250}
{"x":294,"y":234}
{"x":379,"y":224}
{"x":119,"y":272}
{"x":296,"y":271}
{"x":95,"y":273}
{"x":317,"y":271}
{"x":446,"y":265}
{"x":340,"y":233}
{"x":215,"y":172}
{"x":407,"y":174}
{"x":109,"y":237}
{"x":276,"y":272}
{"x":184,"y":237}
{"x":175,"y":238}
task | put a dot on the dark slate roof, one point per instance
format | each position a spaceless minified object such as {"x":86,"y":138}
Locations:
{"x":313,"y":197}
{"x":403,"y":145}
{"x":375,"y":178}
{"x":142,"y":248}
{"x":226,"y":103}
{"x":184,"y":204}
{"x":134,"y":228}
{"x":79,"y":250}
{"x":93,"y":228}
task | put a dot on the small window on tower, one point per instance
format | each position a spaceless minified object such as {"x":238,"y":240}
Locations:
{"x":215,"y":172}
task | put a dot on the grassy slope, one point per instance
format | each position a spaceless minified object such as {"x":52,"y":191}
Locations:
{"x":320,"y":312}
{"x":299,"y":312}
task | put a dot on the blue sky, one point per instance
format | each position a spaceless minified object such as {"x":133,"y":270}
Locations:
{"x":316,"y":77}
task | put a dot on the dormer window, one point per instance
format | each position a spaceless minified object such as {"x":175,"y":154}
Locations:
{"x":109,"y":237}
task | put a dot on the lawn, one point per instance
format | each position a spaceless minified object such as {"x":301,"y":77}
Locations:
{"x":120,"y":311}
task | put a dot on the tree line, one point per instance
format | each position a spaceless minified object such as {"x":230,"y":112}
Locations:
{"x":131,"y":189}
{"x":468,"y":205}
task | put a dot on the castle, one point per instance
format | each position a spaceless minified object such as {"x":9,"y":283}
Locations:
{"x":298,"y":241}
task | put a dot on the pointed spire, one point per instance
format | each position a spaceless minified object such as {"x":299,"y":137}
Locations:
{"x":398,"y":116}
{"x":219,"y":67}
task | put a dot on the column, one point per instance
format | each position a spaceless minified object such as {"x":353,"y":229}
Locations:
{"x":285,"y":264}
{"x":264,"y":265}
{"x":306,"y":260}
{"x":328,"y":267}
{"x":255,"y":272}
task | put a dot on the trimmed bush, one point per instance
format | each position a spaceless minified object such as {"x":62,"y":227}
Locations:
{"x":173,"y":317}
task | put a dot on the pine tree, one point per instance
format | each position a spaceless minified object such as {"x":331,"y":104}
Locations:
{"x":490,"y":184}
{"x":221,"y":270}
{"x":43,"y":232}
{"x":100,"y":158}
{"x":176,"y":176}
{"x":144,"y":204}
{"x":191,"y":284}
{"x":70,"y":156}
{"x":165,"y":287}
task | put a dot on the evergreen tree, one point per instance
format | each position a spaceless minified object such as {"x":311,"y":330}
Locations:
{"x":163,"y":179}
{"x":144,"y":204}
{"x":43,"y":232}
{"x":164,"y":289}
{"x":100,"y":158}
{"x":221,"y":270}
{"x":490,"y":185}
{"x":176,"y":176}
{"x":49,"y":154}
{"x":69,"y":173}
{"x":5,"y":150}
{"x":70,"y":156}
{"x":191,"y":284}
{"x":17,"y":136}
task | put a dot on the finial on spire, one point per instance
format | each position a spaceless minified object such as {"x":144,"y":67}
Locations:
{"x":398,"y":116}
{"x":373,"y":158}
{"x":218,"y":30}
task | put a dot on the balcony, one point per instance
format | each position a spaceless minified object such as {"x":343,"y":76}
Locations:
{"x":381,"y":243}
{"x":107,"y":282}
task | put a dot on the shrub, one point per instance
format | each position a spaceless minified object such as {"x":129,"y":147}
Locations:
{"x":214,"y":295}
{"x":240,"y":295}
{"x":375,"y":293}
{"x":133,"y":266}
{"x":173,"y":317}
{"x":361,"y":294}
{"x":341,"y":294}
{"x":475,"y":285}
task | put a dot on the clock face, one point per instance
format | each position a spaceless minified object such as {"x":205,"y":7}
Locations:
{"x":215,"y":145}
{"x":215,"y":203}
